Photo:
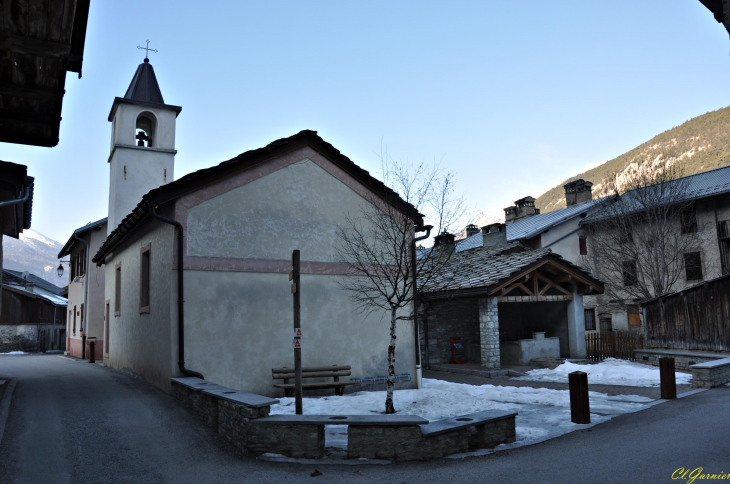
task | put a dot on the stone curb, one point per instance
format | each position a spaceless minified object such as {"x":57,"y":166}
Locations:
{"x":5,"y":406}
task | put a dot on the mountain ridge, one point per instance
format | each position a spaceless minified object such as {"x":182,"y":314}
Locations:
{"x":699,"y":144}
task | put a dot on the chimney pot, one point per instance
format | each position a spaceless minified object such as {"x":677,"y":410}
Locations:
{"x":578,"y":192}
{"x":471,"y":229}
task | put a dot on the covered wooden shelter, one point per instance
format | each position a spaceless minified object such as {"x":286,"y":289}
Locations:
{"x":506,"y":304}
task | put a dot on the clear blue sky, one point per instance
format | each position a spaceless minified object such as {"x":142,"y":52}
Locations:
{"x":515,"y":96}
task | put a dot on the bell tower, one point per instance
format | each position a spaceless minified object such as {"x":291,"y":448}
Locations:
{"x":142,"y":146}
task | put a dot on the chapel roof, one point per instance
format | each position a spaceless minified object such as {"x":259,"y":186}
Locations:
{"x":247,"y":160}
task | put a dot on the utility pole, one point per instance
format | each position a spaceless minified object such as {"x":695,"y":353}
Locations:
{"x":295,"y":289}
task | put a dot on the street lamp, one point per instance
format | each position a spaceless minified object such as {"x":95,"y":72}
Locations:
{"x":59,"y":271}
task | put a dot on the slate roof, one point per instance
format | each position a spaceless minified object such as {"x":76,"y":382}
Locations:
{"x":41,"y":288}
{"x":198,"y":179}
{"x":144,"y":85}
{"x":66,"y":249}
{"x":530,"y":226}
{"x":700,"y":185}
{"x":476,"y":240}
{"x":143,"y":90}
{"x":483,"y":267}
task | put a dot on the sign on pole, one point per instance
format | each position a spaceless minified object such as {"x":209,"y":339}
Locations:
{"x":295,"y":289}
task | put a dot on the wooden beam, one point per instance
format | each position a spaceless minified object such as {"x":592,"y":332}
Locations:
{"x":555,"y":285}
{"x":509,"y":299}
{"x":31,"y":46}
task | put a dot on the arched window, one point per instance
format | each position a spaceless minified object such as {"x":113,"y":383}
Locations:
{"x":145,"y":132}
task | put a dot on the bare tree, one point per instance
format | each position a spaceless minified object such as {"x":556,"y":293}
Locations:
{"x":638,"y":240}
{"x":377,"y":244}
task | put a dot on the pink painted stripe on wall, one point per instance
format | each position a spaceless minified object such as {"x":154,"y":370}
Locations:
{"x":262,"y":266}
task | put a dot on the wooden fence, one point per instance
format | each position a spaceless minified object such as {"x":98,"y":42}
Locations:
{"x":616,"y":344}
{"x":697,"y":318}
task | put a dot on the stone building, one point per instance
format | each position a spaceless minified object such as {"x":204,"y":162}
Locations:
{"x":220,"y":239}
{"x":508,"y":304}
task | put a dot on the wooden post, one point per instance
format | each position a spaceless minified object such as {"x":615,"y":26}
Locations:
{"x":295,"y":289}
{"x":667,"y":378}
{"x":580,"y":412}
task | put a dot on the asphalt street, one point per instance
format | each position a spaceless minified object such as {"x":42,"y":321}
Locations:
{"x":75,"y":422}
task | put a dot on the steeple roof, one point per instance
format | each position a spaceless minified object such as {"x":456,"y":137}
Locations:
{"x":143,"y":90}
{"x":144,"y":87}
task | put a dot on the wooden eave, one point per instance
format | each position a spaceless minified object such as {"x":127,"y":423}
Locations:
{"x":38,"y":45}
{"x":586,"y":285}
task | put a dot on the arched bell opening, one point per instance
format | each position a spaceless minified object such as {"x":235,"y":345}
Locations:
{"x":145,"y":130}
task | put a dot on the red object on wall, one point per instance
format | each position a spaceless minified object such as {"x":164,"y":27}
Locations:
{"x":458,"y":352}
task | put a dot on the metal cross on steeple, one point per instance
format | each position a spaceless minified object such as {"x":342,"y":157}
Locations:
{"x":147,"y":49}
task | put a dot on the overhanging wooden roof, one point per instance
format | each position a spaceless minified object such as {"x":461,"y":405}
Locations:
{"x":511,"y":270}
{"x":39,"y":42}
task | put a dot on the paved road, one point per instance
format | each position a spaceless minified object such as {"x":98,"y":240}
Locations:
{"x":74,"y":422}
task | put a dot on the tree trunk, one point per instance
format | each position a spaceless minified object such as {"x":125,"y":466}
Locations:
{"x":389,"y":407}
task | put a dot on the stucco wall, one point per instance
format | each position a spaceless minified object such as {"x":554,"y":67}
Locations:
{"x":296,"y":207}
{"x":240,"y":325}
{"x":144,"y":343}
{"x":94,"y":323}
{"x":240,"y":320}
{"x":568,"y":247}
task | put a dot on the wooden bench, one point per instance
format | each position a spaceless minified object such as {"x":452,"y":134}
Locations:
{"x":334,"y":372}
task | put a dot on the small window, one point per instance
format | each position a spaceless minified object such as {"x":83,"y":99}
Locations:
{"x":634,"y":315}
{"x":74,"y":321}
{"x":583,"y":245}
{"x":629,"y":269}
{"x":693,"y":266}
{"x":604,"y":320}
{"x":81,"y":318}
{"x":144,"y":279}
{"x":590,"y":317}
{"x":688,"y":219}
{"x":118,"y":289}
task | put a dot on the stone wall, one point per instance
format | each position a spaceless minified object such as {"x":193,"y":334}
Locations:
{"x":489,"y":329}
{"x":711,"y":374}
{"x":18,"y":338}
{"x":447,"y":319}
{"x":682,"y":361}
{"x":247,"y":429}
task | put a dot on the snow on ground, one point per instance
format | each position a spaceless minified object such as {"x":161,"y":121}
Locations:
{"x":542,"y":413}
{"x":608,"y":372}
{"x":14,"y":353}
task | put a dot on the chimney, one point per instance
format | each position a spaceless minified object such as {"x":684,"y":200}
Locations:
{"x":510,"y":213}
{"x":525,"y":207}
{"x":578,"y":192}
{"x":494,"y":235}
{"x":444,"y":242}
{"x":471,"y":229}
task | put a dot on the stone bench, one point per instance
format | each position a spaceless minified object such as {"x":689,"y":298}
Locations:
{"x":479,"y":430}
{"x":302,"y":436}
{"x":203,"y":398}
{"x":397,"y":437}
{"x":711,"y":373}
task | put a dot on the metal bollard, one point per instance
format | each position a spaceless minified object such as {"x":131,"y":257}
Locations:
{"x":580,"y":412}
{"x":667,"y":378}
{"x":92,"y":344}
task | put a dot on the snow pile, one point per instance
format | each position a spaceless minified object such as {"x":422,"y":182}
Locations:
{"x":14,"y":353}
{"x":608,"y":372}
{"x":542,"y":413}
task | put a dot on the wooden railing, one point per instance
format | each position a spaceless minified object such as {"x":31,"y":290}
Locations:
{"x":616,"y":344}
